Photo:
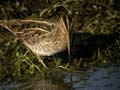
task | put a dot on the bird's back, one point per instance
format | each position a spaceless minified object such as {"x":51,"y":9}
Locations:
{"x":44,"y":38}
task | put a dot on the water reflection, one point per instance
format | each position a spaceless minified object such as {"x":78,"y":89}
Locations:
{"x":93,"y":79}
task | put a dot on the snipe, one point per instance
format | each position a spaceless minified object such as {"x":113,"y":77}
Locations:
{"x":44,"y":38}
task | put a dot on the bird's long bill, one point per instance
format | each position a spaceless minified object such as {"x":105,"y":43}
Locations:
{"x":65,"y":30}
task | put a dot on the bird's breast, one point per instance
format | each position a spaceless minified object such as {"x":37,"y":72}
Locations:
{"x":47,"y":46}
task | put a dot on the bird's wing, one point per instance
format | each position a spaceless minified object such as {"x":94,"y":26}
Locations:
{"x":26,"y":27}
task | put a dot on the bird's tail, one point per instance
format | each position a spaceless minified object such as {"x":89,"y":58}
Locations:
{"x":4,"y":25}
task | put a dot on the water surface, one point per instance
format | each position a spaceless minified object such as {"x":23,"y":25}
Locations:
{"x":93,"y":79}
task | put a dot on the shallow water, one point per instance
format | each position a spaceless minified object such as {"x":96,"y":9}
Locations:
{"x":98,"y":79}
{"x":94,"y":79}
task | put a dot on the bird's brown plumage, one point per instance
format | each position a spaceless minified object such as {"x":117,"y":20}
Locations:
{"x":39,"y":40}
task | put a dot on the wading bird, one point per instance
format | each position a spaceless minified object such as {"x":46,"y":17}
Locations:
{"x":44,"y":38}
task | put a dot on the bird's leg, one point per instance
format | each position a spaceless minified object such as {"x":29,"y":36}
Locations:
{"x":41,"y":61}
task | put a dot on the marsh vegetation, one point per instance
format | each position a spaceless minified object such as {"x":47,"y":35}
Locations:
{"x":94,"y":28}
